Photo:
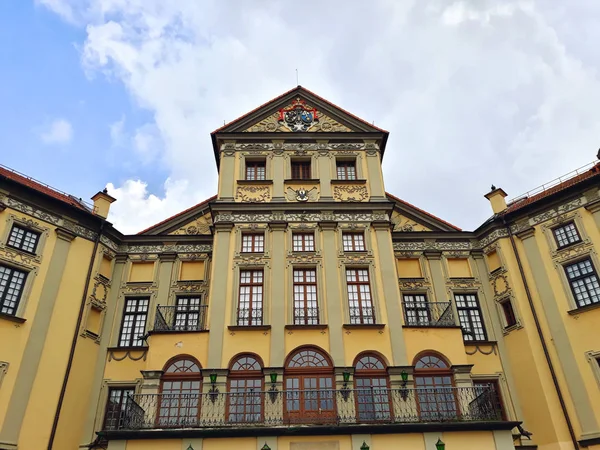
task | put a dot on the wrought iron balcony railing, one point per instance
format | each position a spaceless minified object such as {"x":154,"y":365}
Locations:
{"x":306,"y":316}
{"x":178,"y":319}
{"x":362,"y":315}
{"x":310,"y":407}
{"x":249,"y":317}
{"x":428,"y":314}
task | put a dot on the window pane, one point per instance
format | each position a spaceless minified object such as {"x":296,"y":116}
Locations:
{"x":134,"y":322}
{"x":584,"y":282}
{"x":23,"y":239}
{"x":469,"y":316}
{"x":12,"y":282}
{"x":566,"y":234}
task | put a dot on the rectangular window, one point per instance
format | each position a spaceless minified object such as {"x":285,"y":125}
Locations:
{"x":115,"y":407}
{"x":253,"y":243}
{"x":470,"y":317}
{"x":416,"y":310}
{"x":189,"y":314}
{"x":566,"y":235}
{"x":301,"y":170}
{"x":359,"y":296}
{"x":306,"y":311}
{"x":250,"y":305}
{"x":353,"y":242}
{"x":255,"y":170}
{"x":23,"y":239}
{"x":490,"y":391}
{"x":346,"y":170}
{"x":509,"y":313}
{"x":584,"y":282}
{"x":12,"y":282}
{"x":134,"y":322}
{"x":303,"y":242}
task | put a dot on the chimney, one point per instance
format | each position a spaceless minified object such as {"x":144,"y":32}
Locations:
{"x":102,"y":203}
{"x":496,"y":197}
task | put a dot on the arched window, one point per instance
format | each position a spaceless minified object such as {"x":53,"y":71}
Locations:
{"x":245,"y":389}
{"x":180,"y":387}
{"x":309,"y":387}
{"x":371,"y":388}
{"x":434,"y":383}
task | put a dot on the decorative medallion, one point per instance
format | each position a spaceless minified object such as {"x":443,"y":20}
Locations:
{"x":301,"y":194}
{"x":298,"y":116}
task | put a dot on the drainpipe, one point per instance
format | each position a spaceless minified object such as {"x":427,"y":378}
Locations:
{"x":542,"y":339}
{"x":74,"y":341}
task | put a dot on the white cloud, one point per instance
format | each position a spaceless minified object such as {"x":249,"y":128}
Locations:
{"x":117,"y":132}
{"x":60,"y":131}
{"x":473,"y":92}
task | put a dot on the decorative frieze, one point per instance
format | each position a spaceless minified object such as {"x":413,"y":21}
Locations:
{"x":229,"y":147}
{"x":350,"y":193}
{"x":155,"y":249}
{"x":253,"y":194}
{"x":299,"y":217}
{"x":465,"y":246}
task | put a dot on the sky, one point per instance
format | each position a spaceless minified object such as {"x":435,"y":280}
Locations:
{"x":124,"y":93}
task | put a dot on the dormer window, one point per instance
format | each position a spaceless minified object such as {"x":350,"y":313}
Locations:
{"x":255,"y":170}
{"x":346,"y":170}
{"x":301,"y":170}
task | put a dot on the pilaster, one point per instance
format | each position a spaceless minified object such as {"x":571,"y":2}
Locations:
{"x":278,"y":293}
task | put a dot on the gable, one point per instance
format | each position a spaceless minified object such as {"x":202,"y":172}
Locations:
{"x":195,"y":226}
{"x":297,"y":116}
{"x":406,"y":224}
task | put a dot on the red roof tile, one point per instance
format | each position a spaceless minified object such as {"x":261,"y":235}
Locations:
{"x":518,"y":204}
{"x":42,"y":188}
{"x":156,"y":225}
{"x":398,"y":200}
{"x":300,"y":89}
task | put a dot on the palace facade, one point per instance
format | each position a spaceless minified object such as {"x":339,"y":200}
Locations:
{"x":301,"y":308}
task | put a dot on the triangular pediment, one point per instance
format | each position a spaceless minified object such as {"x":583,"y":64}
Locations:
{"x":196,"y":220}
{"x":299,"y":111}
{"x":408,"y":218}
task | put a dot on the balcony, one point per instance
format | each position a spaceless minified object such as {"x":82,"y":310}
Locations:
{"x":339,"y":408}
{"x":178,"y":319}
{"x":428,"y":314}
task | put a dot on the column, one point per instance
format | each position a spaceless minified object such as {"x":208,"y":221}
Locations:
{"x":17,"y":405}
{"x":375,"y":175}
{"x":278,"y":319}
{"x":391,"y":291}
{"x":333,"y":296}
{"x":278,"y":172}
{"x":165,"y":271}
{"x":88,"y":434}
{"x":434,"y":258}
{"x":218,"y":295}
{"x":558,"y":335}
{"x":324,"y":159}
{"x":227,"y":172}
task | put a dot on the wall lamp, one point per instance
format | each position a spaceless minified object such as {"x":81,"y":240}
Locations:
{"x":266,"y":447}
{"x":439,"y":445}
{"x":212,"y":393}
{"x":272,"y":395}
{"x":364,"y":446}
{"x":403,"y":390}
{"x":345,"y":390}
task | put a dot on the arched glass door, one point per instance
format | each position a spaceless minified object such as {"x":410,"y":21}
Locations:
{"x":310,"y":394}
{"x":371,"y":389}
{"x":435,"y":392}
{"x":245,"y":390}
{"x":179,"y":399}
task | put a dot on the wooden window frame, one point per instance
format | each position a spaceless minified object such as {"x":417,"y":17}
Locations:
{"x":495,"y":382}
{"x":251,"y":307}
{"x":345,"y":173}
{"x":353,"y":247}
{"x":563,"y":226}
{"x":571,"y":281}
{"x":435,"y":374}
{"x":135,"y":314}
{"x":416,"y":309}
{"x":26,"y":231}
{"x":247,"y":375}
{"x":183,"y":319}
{"x":10,"y":270}
{"x":301,"y":169}
{"x":174,"y":377}
{"x":370,"y":374}
{"x":303,"y":241}
{"x":510,"y":318}
{"x":253,"y":172}
{"x":470,"y":314}
{"x":303,"y":415}
{"x":256,"y":245}
{"x":306,"y":318}
{"x":364,"y":319}
{"x":121,"y":404}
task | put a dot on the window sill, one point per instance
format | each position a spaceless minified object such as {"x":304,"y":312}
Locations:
{"x":141,"y":348}
{"x":307,"y":327}
{"x":452,"y":327}
{"x":24,"y":252}
{"x":249,"y":327}
{"x":583,"y":309}
{"x":301,"y":180}
{"x":565,"y":247}
{"x":364,"y":326}
{"x":340,"y":181}
{"x":252,"y":182}
{"x":151,"y":332}
{"x":12,"y":318}
{"x":480,"y":342}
